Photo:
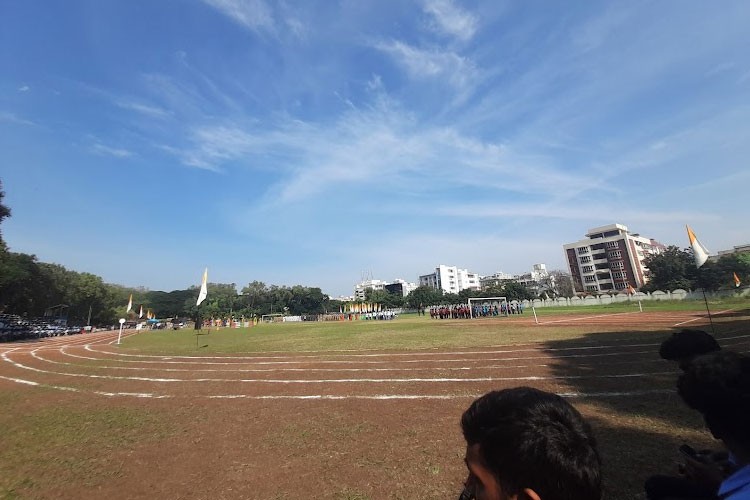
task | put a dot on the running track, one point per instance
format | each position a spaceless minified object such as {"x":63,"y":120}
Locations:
{"x":92,"y":364}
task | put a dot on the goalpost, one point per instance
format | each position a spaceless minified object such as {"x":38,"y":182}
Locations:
{"x":498,"y":301}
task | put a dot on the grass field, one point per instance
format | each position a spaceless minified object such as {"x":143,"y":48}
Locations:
{"x":341,"y":410}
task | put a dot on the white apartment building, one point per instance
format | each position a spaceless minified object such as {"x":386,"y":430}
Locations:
{"x":529,"y":280}
{"x":610,"y":258}
{"x":398,"y":285}
{"x":450,"y":279}
{"x":360,"y":289}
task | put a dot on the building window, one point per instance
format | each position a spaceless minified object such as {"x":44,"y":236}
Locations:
{"x":589,"y":279}
{"x":617,"y":265}
{"x":592,"y":288}
{"x":622,"y":285}
{"x":612,"y":244}
{"x":588,"y":269}
{"x":585,"y":259}
{"x":582,"y":250}
{"x":618,"y":274}
{"x":615,"y":255}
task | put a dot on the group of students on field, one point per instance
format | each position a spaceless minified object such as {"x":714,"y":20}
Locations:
{"x":484,"y":310}
{"x":527,"y":444}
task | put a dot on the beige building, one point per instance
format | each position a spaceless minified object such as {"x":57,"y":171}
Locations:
{"x":610,"y":259}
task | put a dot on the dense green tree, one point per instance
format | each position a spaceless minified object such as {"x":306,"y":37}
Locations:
{"x":672,"y":269}
{"x":467,"y":294}
{"x":424,"y":296}
{"x":516,"y":291}
{"x":22,"y":285}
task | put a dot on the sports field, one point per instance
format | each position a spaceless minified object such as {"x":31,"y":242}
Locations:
{"x":349,"y":410}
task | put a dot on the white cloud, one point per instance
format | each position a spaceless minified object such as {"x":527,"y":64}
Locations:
{"x":12,"y":118}
{"x":145,"y":109}
{"x":381,"y":143}
{"x":24,"y":88}
{"x":252,"y":14}
{"x":101,"y":149}
{"x":459,"y":71}
{"x":450,"y":19}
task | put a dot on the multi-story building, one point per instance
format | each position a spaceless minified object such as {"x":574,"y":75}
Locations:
{"x":450,"y":279}
{"x":737,"y":249}
{"x":610,"y":258}
{"x":360,"y":289}
{"x":537,"y":281}
{"x":400,"y":287}
{"x":496,"y":279}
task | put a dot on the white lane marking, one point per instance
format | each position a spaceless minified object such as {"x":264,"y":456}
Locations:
{"x":38,"y":356}
{"x":584,"y":318}
{"x":688,"y":321}
{"x":74,"y":389}
{"x":330,"y":396}
{"x":333,"y":381}
{"x":433,"y":396}
{"x":704,"y":316}
{"x":380,"y":355}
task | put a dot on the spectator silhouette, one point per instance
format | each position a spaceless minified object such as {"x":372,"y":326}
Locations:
{"x":699,"y":483}
{"x":718,"y":386}
{"x":526,"y":444}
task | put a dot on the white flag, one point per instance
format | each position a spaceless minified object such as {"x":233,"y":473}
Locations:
{"x":204,"y":288}
{"x":130,"y":303}
{"x":699,"y":251}
{"x":140,"y":314}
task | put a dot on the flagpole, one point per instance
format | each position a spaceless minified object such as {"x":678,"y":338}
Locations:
{"x":710,"y":320}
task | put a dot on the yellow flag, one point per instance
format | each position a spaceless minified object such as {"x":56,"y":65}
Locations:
{"x":130,"y":303}
{"x":699,"y":251}
{"x":737,"y":281}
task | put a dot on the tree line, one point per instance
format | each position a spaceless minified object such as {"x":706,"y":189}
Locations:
{"x":675,"y":268}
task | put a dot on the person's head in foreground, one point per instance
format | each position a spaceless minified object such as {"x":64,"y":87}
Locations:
{"x":524,"y":443}
{"x":686,"y":344}
{"x":718,"y":386}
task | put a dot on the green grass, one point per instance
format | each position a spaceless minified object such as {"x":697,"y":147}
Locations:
{"x":405,"y":333}
{"x":400,"y":334}
{"x":66,"y":442}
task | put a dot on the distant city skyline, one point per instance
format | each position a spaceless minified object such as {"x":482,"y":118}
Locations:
{"x":308,"y":142}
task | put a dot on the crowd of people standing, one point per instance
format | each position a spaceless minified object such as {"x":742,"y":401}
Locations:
{"x":483,"y":310}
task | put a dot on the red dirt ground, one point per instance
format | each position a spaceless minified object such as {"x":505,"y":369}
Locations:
{"x":349,"y":425}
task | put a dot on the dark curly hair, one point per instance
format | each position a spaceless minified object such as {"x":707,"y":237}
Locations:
{"x":718,"y":386}
{"x":535,"y":439}
{"x":686,"y":344}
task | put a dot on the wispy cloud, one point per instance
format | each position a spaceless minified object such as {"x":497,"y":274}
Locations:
{"x":12,"y":118}
{"x":419,"y":63}
{"x":145,"y":109}
{"x":101,"y":149}
{"x":252,"y":14}
{"x":24,"y":88}
{"x":450,"y":19}
{"x":382,"y":142}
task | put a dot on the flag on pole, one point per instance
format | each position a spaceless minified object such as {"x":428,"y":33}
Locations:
{"x":204,"y":288}
{"x":631,"y":290}
{"x":130,"y":303}
{"x":737,"y":281}
{"x":140,"y":314}
{"x":699,"y":251}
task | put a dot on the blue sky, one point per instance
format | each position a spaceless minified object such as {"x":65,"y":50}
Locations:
{"x":311,"y":142}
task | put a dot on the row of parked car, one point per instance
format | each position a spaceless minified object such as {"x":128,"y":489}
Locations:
{"x":13,"y":327}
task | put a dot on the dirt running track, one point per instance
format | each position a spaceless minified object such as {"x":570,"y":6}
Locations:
{"x":350,"y":424}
